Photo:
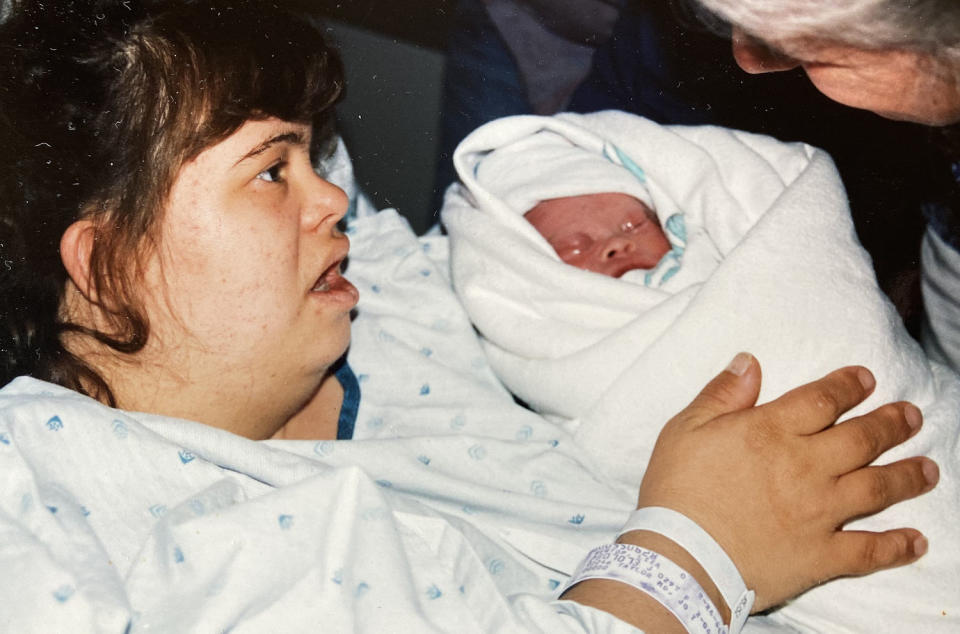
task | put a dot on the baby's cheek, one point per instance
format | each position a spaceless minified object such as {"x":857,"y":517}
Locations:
{"x":586,"y":262}
{"x":573,"y":257}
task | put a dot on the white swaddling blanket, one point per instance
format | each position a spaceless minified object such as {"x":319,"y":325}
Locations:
{"x":772,"y":267}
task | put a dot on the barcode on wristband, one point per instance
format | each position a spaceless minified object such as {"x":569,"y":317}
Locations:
{"x":657,"y":576}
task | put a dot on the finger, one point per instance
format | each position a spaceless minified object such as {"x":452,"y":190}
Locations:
{"x":817,"y":405}
{"x":862,"y":552}
{"x":871,"y":489}
{"x":734,"y":389}
{"x":861,"y":440}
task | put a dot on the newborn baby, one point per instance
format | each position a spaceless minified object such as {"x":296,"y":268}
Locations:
{"x":609,"y":233}
{"x":594,"y":210}
{"x":770,"y":264}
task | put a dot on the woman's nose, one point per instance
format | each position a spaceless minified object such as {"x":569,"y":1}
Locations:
{"x":755,"y":57}
{"x":326,"y":205}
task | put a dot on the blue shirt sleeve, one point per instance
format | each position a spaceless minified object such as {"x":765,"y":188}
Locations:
{"x":351,"y":399}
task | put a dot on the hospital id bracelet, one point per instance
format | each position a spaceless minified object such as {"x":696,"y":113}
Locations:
{"x":664,"y":581}
{"x":702,"y":547}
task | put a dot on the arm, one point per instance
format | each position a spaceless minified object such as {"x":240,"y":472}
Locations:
{"x":774,"y":486}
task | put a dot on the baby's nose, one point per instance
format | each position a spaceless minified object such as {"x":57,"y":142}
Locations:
{"x":617,"y":245}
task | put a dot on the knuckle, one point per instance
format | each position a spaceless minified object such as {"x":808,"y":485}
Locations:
{"x":869,"y":555}
{"x":884,"y":550}
{"x":869,"y":552}
{"x":867,"y":438}
{"x":718,"y":394}
{"x":844,"y":387}
{"x":879,"y":488}
{"x":828,"y":400}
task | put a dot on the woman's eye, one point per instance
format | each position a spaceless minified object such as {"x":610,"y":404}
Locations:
{"x":273,"y":173}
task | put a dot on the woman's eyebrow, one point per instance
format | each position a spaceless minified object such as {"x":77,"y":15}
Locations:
{"x":292,"y":138}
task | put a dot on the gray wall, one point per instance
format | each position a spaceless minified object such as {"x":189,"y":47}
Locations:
{"x":389,"y":118}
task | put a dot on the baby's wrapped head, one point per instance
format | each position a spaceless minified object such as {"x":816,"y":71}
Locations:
{"x":596,"y":214}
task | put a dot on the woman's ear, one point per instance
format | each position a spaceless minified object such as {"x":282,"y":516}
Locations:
{"x":76,"y":245}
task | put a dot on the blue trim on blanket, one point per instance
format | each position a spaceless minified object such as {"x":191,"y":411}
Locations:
{"x":624,"y":160}
{"x":675,"y":228}
{"x":351,"y":400}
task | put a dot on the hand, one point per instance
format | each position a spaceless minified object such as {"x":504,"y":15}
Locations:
{"x":775,"y":484}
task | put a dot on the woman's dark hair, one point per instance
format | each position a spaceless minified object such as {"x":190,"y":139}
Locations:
{"x":101,"y":104}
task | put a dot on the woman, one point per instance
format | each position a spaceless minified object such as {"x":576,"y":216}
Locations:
{"x":899,"y":60}
{"x":169,"y":249}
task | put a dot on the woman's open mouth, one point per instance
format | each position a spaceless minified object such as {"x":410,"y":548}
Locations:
{"x":331,"y":283}
{"x":328,"y":277}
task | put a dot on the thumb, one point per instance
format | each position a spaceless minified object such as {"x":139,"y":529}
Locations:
{"x":734,"y":389}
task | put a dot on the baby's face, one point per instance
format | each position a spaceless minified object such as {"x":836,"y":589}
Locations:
{"x":605,"y":233}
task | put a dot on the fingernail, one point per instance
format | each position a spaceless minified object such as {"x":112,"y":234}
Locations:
{"x":920,"y":546}
{"x":913,"y":416}
{"x":931,"y":472}
{"x":740,"y":363}
{"x":866,"y":379}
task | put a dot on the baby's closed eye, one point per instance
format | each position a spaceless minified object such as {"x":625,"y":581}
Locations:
{"x":571,"y":246}
{"x":633,"y":223}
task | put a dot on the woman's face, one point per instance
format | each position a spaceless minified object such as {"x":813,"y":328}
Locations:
{"x":244,"y":293}
{"x":896,"y":84}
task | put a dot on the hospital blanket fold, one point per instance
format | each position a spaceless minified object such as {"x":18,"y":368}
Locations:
{"x":163,"y":525}
{"x":772,"y":267}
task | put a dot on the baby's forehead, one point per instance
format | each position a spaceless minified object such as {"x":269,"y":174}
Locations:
{"x":594,"y":204}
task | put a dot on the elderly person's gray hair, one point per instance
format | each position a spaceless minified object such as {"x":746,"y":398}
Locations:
{"x":931,"y":26}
